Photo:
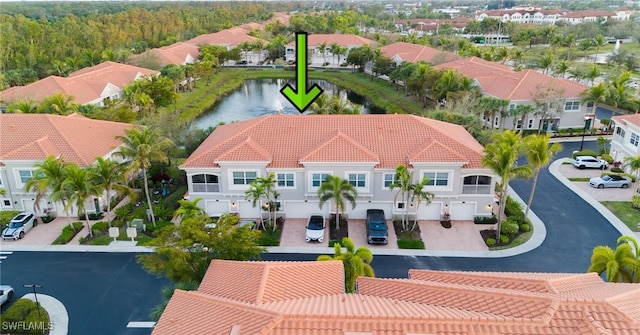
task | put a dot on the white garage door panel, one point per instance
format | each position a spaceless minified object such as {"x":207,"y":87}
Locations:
{"x":248,"y":211}
{"x":460,"y":211}
{"x":300,"y":210}
{"x":217,"y":207}
{"x":429,"y":212}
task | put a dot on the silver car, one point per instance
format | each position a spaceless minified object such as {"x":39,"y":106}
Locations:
{"x":610,"y":181}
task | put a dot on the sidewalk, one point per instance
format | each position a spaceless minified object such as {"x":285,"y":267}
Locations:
{"x":58,"y":316}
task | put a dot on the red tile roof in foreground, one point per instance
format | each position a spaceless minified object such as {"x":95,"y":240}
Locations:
{"x":414,"y":53}
{"x":33,"y":137}
{"x":289,"y":141}
{"x":285,"y":298}
{"x":502,"y":82}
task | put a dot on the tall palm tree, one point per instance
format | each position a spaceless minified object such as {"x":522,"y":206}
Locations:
{"x":24,"y":106}
{"x":190,"y":209}
{"x":108,"y":176}
{"x":357,"y":262}
{"x":80,"y":187}
{"x":633,"y":163}
{"x":539,"y":154}
{"x":621,"y":265}
{"x":339,"y":190}
{"x":142,"y":147}
{"x":596,"y":94}
{"x":47,"y":178}
{"x":268,"y":186}
{"x":501,"y":157}
{"x":419,"y":195}
{"x":598,"y":42}
{"x":402,"y":181}
{"x":59,"y":104}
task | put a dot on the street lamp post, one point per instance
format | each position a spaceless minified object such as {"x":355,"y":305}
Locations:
{"x":584,"y":131}
{"x":34,"y":287}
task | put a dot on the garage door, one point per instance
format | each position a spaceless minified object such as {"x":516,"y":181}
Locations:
{"x":28,"y":205}
{"x":462,"y":211}
{"x":217,"y":207}
{"x":360,"y":212}
{"x":430,"y":212}
{"x":246,"y":209}
{"x":301,"y":209}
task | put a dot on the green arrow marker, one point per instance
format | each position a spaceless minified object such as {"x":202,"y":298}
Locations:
{"x":300,"y":97}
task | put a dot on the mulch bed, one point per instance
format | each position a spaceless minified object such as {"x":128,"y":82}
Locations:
{"x":446,"y":224}
{"x":411,"y":234}
{"x":338,"y":234}
{"x":492,"y":234}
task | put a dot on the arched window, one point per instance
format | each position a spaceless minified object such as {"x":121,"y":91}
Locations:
{"x":476,"y":185}
{"x":205,"y":183}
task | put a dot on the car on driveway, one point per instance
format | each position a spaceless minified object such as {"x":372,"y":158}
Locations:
{"x":6,"y":293}
{"x":377,"y":230}
{"x":315,"y":228}
{"x":589,"y":162}
{"x":610,"y":181}
{"x":19,"y":225}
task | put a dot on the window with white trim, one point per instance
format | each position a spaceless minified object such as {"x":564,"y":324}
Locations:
{"x":634,"y":139}
{"x":387,"y":180}
{"x":205,"y":183}
{"x":437,"y":178}
{"x":318,"y":178}
{"x":25,"y":175}
{"x":244,"y":177}
{"x":572,"y":106}
{"x":512,"y":107}
{"x":620,"y":132}
{"x":518,"y":124}
{"x":285,"y":179}
{"x":357,"y":179}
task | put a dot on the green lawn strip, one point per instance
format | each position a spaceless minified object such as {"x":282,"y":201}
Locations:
{"x":270,"y":238}
{"x":623,"y":211}
{"x":410,"y":244}
{"x":579,"y":179}
{"x":521,"y":239}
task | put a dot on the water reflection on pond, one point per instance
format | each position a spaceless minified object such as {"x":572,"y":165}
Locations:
{"x":262,"y":97}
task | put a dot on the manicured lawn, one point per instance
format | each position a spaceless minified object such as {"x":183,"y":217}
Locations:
{"x":270,"y":238}
{"x":524,"y":237}
{"x":624,"y":212}
{"x":579,"y":179}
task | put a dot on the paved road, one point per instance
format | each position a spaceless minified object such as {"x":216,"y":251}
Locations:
{"x":101,"y":291}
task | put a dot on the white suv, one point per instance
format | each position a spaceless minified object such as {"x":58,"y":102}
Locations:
{"x":19,"y":225}
{"x":589,"y":162}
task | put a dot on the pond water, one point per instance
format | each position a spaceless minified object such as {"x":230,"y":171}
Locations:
{"x":261,"y":97}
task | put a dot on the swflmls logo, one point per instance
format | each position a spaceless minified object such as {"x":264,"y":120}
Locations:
{"x":301,"y":97}
{"x":22,"y":326}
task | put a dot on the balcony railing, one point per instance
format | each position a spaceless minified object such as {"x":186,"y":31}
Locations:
{"x":476,"y":189}
{"x":208,"y":188}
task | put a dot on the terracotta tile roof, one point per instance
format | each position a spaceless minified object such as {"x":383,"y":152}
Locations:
{"x":176,"y":53}
{"x":279,"y":16}
{"x":265,"y":282}
{"x":76,"y":138}
{"x":588,"y":13}
{"x":248,"y":150}
{"x":502,"y":82}
{"x":345,"y":40}
{"x":414,"y":53}
{"x":84,"y":85}
{"x":633,"y":119}
{"x":389,"y":140}
{"x":252,"y":26}
{"x":231,"y":37}
{"x":431,"y":302}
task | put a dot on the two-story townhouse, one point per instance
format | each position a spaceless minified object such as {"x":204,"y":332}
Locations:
{"x":26,"y":139}
{"x":556,"y":102}
{"x":314,"y":41}
{"x":302,"y":150}
{"x":408,"y":52}
{"x":626,"y":136}
{"x":179,"y":53}
{"x":88,"y":86}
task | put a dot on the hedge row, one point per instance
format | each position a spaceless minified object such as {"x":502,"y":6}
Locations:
{"x":68,"y":234}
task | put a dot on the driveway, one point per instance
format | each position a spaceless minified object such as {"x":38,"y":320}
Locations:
{"x":606,"y":194}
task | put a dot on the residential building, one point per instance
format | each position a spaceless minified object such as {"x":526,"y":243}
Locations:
{"x":626,"y":136}
{"x":27,"y":139}
{"x":308,"y":298}
{"x":408,"y":52}
{"x":348,"y":41}
{"x":595,"y":16}
{"x":302,"y":150}
{"x":431,"y":26}
{"x":88,"y":86}
{"x":534,"y":15}
{"x":229,"y":38}
{"x":556,"y":102}
{"x":179,"y":53}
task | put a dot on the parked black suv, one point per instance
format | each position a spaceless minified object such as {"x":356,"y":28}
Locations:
{"x":377,"y":231}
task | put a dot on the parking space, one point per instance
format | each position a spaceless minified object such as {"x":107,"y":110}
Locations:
{"x":606,"y":194}
{"x":462,"y":236}
{"x":358,"y":233}
{"x":293,"y":235}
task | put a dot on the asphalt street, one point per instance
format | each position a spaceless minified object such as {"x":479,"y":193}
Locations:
{"x":104,"y":291}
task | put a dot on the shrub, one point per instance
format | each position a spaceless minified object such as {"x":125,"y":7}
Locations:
{"x":490,"y":242}
{"x":160,"y":225}
{"x":47,"y":218}
{"x":123,"y":211}
{"x":68,"y":234}
{"x":633,"y":178}
{"x":509,"y":228}
{"x":485,"y":219}
{"x":524,"y":227}
{"x":100,"y":227}
{"x":635,"y":201}
{"x":117,"y":223}
{"x":504,"y":239}
{"x":24,"y":314}
{"x":607,"y":158}
{"x":616,"y":170}
{"x":410,"y":244}
{"x":6,"y":216}
{"x":92,"y":216}
{"x":585,"y":152}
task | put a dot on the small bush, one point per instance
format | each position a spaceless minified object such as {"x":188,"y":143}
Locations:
{"x":585,"y":152}
{"x":513,"y":207}
{"x":485,"y":219}
{"x":333,"y":242}
{"x":504,"y":239}
{"x":117,"y":223}
{"x":160,"y":225}
{"x":607,"y":158}
{"x":509,"y":228}
{"x":92,"y":216}
{"x":633,"y":178}
{"x":490,"y":242}
{"x":47,"y":218}
{"x":68,"y":234}
{"x":635,"y":201}
{"x":24,"y":314}
{"x":616,"y":170}
{"x":525,"y":227}
{"x":100,"y":227}
{"x":410,"y":244}
{"x":6,"y":216}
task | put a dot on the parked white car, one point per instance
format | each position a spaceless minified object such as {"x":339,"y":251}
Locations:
{"x":19,"y":225}
{"x":315,"y":228}
{"x":589,"y":162}
{"x":610,"y":181}
{"x":6,"y":293}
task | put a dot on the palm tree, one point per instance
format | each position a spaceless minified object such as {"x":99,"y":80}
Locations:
{"x":419,"y":195}
{"x":3,"y":192}
{"x":59,"y":104}
{"x":109,"y":175}
{"x":339,"y":190}
{"x":357,"y":262}
{"x":621,"y":265}
{"x":402,"y":181}
{"x":80,"y":187}
{"x":598,"y":41}
{"x":268,"y":186}
{"x":322,"y":49}
{"x":190,"y":209}
{"x":633,"y":163}
{"x":596,"y":94}
{"x":501,"y":157}
{"x":144,"y":146}
{"x":24,"y":106}
{"x":539,"y":154}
